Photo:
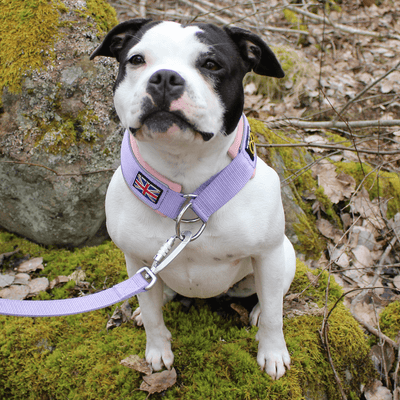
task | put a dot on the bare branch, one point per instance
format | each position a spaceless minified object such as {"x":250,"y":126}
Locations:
{"x":341,"y":27}
{"x":298,"y":123}
{"x":330,"y":147}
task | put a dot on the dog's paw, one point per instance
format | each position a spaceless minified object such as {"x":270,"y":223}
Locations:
{"x":273,"y":361}
{"x":137,"y":317}
{"x":255,"y":315}
{"x":159,"y":353}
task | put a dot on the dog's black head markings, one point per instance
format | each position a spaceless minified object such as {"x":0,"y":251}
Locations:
{"x":185,"y":76}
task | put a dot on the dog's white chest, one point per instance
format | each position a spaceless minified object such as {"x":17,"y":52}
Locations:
{"x":198,"y":274}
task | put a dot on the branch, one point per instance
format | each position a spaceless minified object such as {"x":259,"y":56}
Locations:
{"x":331,"y":147}
{"x":298,"y":123}
{"x":375,"y":331}
{"x":341,"y":27}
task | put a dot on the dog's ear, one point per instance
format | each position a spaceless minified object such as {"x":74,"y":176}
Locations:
{"x":255,"y":52}
{"x":117,"y":37}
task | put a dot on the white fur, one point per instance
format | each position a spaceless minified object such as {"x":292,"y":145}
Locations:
{"x":245,"y":236}
{"x":173,"y":47}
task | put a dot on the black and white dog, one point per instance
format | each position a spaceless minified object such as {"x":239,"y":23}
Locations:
{"x":179,"y":94}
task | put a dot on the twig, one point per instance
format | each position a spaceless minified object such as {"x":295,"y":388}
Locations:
{"x":205,"y":12}
{"x":375,"y":331}
{"x":324,"y":338}
{"x":142,"y":8}
{"x":298,"y":123}
{"x":330,"y":147}
{"x":341,"y":27}
{"x":396,"y":377}
{"x":382,"y":345}
{"x":54,"y":171}
{"x":348,"y":104}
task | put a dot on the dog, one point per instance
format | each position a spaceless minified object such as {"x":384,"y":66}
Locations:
{"x":179,"y":94}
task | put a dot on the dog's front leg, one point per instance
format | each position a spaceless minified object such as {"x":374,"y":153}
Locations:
{"x":158,"y":344}
{"x":269,"y":270}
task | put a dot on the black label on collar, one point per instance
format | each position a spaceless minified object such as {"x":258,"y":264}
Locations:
{"x":251,"y":145}
{"x":147,"y":188}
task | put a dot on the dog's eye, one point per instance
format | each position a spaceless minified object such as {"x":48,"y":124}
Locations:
{"x":137,"y":60}
{"x":211,"y":65}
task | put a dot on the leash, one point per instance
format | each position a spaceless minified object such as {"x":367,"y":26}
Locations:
{"x":143,"y":280}
{"x":164,"y":197}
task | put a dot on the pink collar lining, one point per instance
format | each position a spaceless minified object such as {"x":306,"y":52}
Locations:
{"x":176,"y":187}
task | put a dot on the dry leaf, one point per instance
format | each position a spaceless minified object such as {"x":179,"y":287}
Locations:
{"x":361,"y":204}
{"x":396,"y":281}
{"x":3,"y":256}
{"x":243,"y":313}
{"x":336,"y":187}
{"x":328,"y":230}
{"x":61,"y":279}
{"x":6,"y":280}
{"x":312,"y":278}
{"x":377,"y":391}
{"x":158,"y":382}
{"x":138,"y":364}
{"x":22,"y":279}
{"x":15,"y":292}
{"x":38,"y":285}
{"x":31,"y":265}
{"x":316,"y":139}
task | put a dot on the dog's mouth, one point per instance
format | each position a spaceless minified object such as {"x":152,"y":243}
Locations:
{"x":159,"y":121}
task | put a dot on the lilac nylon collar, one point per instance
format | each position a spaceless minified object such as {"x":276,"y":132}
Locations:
{"x":211,"y":195}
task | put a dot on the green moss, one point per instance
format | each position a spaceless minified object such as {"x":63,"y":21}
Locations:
{"x":296,"y":70}
{"x":58,"y":135}
{"x":27,"y":30}
{"x":103,"y":13}
{"x":390,"y":320}
{"x":76,"y":357}
{"x":294,"y":159}
{"x":377,"y":182}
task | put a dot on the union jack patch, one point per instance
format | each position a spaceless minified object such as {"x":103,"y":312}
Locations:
{"x":147,"y":188}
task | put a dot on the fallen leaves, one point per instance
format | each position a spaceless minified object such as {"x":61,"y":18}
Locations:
{"x":31,"y":265}
{"x":336,"y":186}
{"x":152,"y":382}
{"x":21,"y":281}
{"x":158,"y":382}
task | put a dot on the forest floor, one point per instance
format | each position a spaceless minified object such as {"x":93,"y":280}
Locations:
{"x":342,"y":64}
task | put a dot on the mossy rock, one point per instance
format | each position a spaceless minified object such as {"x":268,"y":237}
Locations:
{"x":215,"y":356}
{"x":300,"y":222}
{"x":56,"y":118}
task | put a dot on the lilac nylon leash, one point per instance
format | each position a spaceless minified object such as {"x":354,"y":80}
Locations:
{"x":53,"y":308}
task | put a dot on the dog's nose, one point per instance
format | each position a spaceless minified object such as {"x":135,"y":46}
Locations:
{"x":165,"y":86}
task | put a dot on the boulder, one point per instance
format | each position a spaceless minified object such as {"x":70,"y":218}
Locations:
{"x":59,"y":134}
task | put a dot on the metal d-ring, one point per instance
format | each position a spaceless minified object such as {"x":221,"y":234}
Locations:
{"x":179,"y":220}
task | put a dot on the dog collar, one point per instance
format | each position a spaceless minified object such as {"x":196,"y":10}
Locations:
{"x":165,"y":197}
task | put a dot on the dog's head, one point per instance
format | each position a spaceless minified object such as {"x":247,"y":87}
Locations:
{"x":183,"y":81}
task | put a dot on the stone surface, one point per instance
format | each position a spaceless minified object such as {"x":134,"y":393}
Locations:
{"x":63,"y":121}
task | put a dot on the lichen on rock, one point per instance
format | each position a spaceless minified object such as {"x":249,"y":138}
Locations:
{"x":57,"y":115}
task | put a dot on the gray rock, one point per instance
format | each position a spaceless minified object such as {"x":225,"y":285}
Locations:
{"x":60,"y":141}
